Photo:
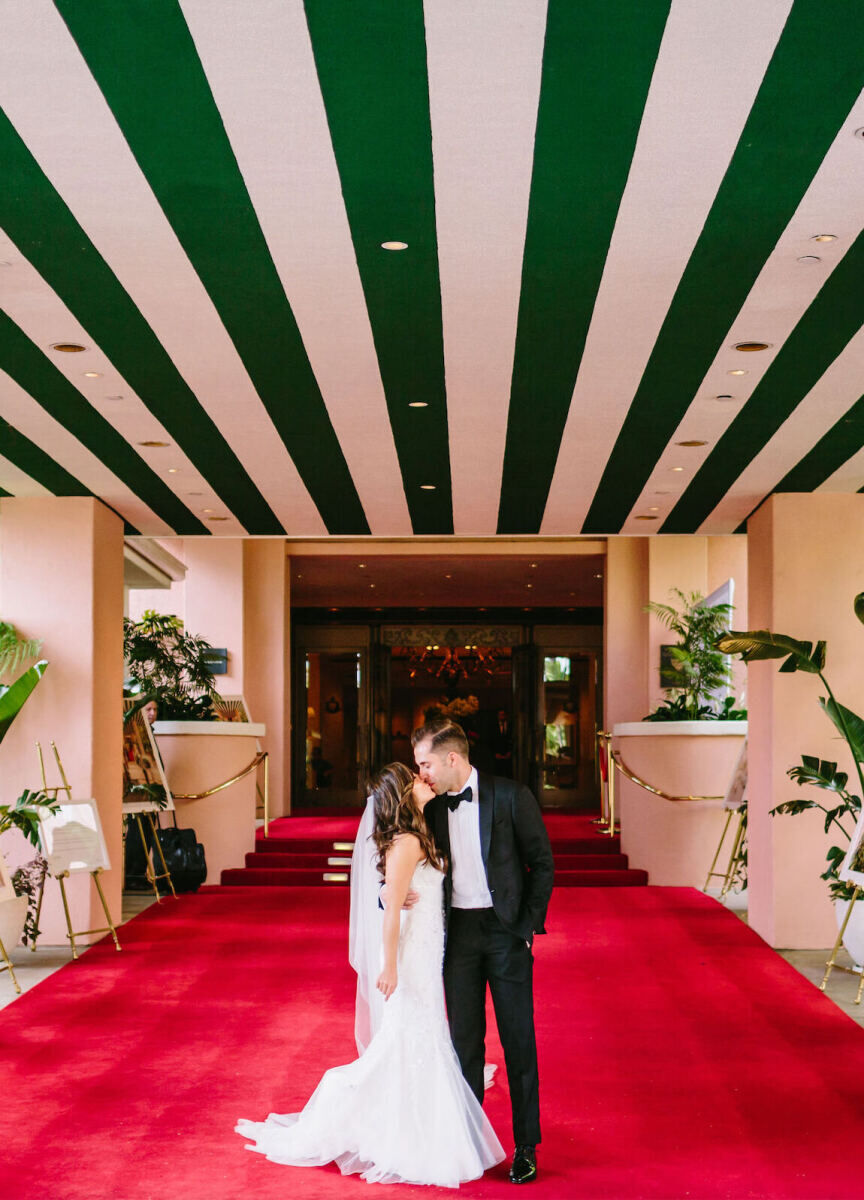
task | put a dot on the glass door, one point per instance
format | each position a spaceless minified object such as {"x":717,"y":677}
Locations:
{"x":331,"y":725}
{"x":568,"y":715}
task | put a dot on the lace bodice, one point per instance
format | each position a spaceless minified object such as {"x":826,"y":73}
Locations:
{"x":421,"y":950}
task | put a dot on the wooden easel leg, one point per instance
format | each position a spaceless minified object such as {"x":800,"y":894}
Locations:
{"x":829,"y":966}
{"x":70,"y":934}
{"x":8,"y":966}
{"x":151,"y":875}
{"x":95,"y":875}
{"x":710,"y":874}
{"x":166,"y":873}
{"x":733,"y":857}
{"x":860,"y":987}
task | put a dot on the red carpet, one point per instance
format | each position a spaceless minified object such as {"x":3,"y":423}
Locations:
{"x":679,"y":1057}
{"x":309,"y":850}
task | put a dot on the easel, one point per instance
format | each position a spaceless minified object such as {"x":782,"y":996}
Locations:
{"x":728,"y":876}
{"x":52,"y":793}
{"x":6,"y":965}
{"x":152,"y":875}
{"x":832,"y":961}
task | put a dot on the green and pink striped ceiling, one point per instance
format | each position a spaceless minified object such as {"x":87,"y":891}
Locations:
{"x":600,"y":200}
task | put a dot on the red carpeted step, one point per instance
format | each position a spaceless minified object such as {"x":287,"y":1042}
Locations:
{"x":261,"y":858}
{"x":591,"y":862}
{"x":283,"y":845}
{"x":285,"y":877}
{"x":607,"y":845}
{"x":630,"y":878}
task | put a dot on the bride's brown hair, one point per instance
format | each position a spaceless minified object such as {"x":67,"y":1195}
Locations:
{"x":396,"y":811}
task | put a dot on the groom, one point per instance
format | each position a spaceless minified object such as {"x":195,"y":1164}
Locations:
{"x":496,"y":894}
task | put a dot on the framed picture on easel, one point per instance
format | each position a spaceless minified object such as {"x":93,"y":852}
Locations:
{"x":72,"y":838}
{"x":144,"y":781}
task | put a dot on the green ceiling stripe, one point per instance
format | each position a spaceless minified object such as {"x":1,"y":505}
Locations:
{"x":843,"y":439}
{"x":371,"y":62}
{"x":143,"y":58}
{"x":597,"y":67}
{"x":33,"y":461}
{"x":71,"y":265}
{"x":829,"y":323}
{"x":42,"y":380}
{"x":805,"y":92}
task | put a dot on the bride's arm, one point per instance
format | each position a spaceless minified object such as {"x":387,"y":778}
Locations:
{"x":402,"y":857}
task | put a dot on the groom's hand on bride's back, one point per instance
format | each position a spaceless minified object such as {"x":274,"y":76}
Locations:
{"x":410,"y":899}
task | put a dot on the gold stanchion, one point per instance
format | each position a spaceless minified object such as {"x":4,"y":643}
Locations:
{"x":266,"y":795}
{"x":612,"y":830}
{"x":601,"y":742}
{"x":728,"y":875}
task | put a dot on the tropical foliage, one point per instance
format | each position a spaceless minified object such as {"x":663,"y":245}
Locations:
{"x":170,"y":666}
{"x":703,"y":670}
{"x":842,"y":807}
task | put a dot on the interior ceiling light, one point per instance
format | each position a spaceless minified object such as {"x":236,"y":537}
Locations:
{"x":371,"y":585}
{"x":152,"y":443}
{"x":394,"y":245}
{"x":646,"y":517}
{"x":824,"y":237}
{"x":596,"y":577}
{"x":92,"y":374}
{"x":67,"y":347}
{"x":362,"y":566}
{"x":737,"y":371}
{"x":427,"y":487}
{"x":418,"y":404}
{"x":217,"y":518}
{"x":651,"y":508}
{"x":750,"y":347}
{"x":194,"y":493}
{"x":691,"y":442}
{"x":532,"y":564}
{"x":723,"y":396}
{"x":173,"y":470}
{"x":206,"y":509}
{"x":113,"y":397}
{"x":809,"y":260}
{"x":676,"y":468}
{"x":529,"y":585}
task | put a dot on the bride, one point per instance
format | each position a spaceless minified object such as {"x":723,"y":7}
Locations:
{"x":402,"y":1112}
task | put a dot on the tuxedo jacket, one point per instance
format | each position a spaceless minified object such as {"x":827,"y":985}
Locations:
{"x":515,"y":848}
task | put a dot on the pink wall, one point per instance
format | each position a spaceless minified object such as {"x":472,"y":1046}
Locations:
{"x":266,"y":653}
{"x":805,"y":570}
{"x":61,"y":579}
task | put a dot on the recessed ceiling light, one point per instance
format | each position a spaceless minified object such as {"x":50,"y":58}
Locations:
{"x":92,"y":374}
{"x":691,"y":442}
{"x":532,"y":564}
{"x":750,"y":347}
{"x":113,"y":397}
{"x":723,"y":396}
{"x":362,"y":566}
{"x":418,"y":404}
{"x":646,"y":517}
{"x":662,"y":493}
{"x":427,"y":487}
{"x":394,"y":245}
{"x":371,"y":585}
{"x":206,"y":509}
{"x":173,"y":470}
{"x":448,"y":576}
{"x":824,"y":237}
{"x":67,"y":347}
{"x":596,"y":577}
{"x":529,"y":585}
{"x":334,"y":609}
{"x":809,"y":260}
{"x":651,"y":508}
{"x":737,"y":371}
{"x":859,"y":133}
{"x":217,"y":518}
{"x":152,"y":443}
{"x":676,"y":468}
{"x":194,"y":493}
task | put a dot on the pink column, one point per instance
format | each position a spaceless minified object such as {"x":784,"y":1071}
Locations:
{"x":266,"y":657}
{"x":805,"y":569}
{"x":625,"y":631}
{"x":61,"y":580}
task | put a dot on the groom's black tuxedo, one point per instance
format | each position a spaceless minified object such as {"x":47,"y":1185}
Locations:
{"x":516,"y":852}
{"x":491,"y":946}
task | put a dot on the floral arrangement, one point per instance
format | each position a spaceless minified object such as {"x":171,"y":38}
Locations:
{"x":461,"y":706}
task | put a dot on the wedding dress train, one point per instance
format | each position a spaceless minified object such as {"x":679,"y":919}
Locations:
{"x":402,"y":1112}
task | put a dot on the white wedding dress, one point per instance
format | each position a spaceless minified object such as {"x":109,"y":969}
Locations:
{"x":402,"y":1112}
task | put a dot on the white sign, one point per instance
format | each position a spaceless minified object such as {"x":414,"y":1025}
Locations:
{"x":72,"y":838}
{"x":7,"y":892}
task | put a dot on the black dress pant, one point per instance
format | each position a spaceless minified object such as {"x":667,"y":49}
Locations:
{"x":481,"y":951}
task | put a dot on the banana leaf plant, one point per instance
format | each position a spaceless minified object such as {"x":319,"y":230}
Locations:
{"x":798,"y":655}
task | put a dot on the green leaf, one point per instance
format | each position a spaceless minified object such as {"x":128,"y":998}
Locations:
{"x":13,"y":698}
{"x":853,"y":733}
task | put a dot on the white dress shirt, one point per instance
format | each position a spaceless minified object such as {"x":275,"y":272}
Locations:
{"x":470,"y":889}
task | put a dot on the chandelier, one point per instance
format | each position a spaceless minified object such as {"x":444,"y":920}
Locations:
{"x":452,"y":663}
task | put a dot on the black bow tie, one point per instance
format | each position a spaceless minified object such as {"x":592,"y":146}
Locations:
{"x":453,"y":802}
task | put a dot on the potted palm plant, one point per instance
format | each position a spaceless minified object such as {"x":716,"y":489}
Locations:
{"x":842,"y":808}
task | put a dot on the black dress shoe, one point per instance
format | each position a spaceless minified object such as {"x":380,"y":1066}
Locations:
{"x":524,"y":1168}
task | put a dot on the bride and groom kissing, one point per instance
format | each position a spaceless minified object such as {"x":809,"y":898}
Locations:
{"x":451,"y":868}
